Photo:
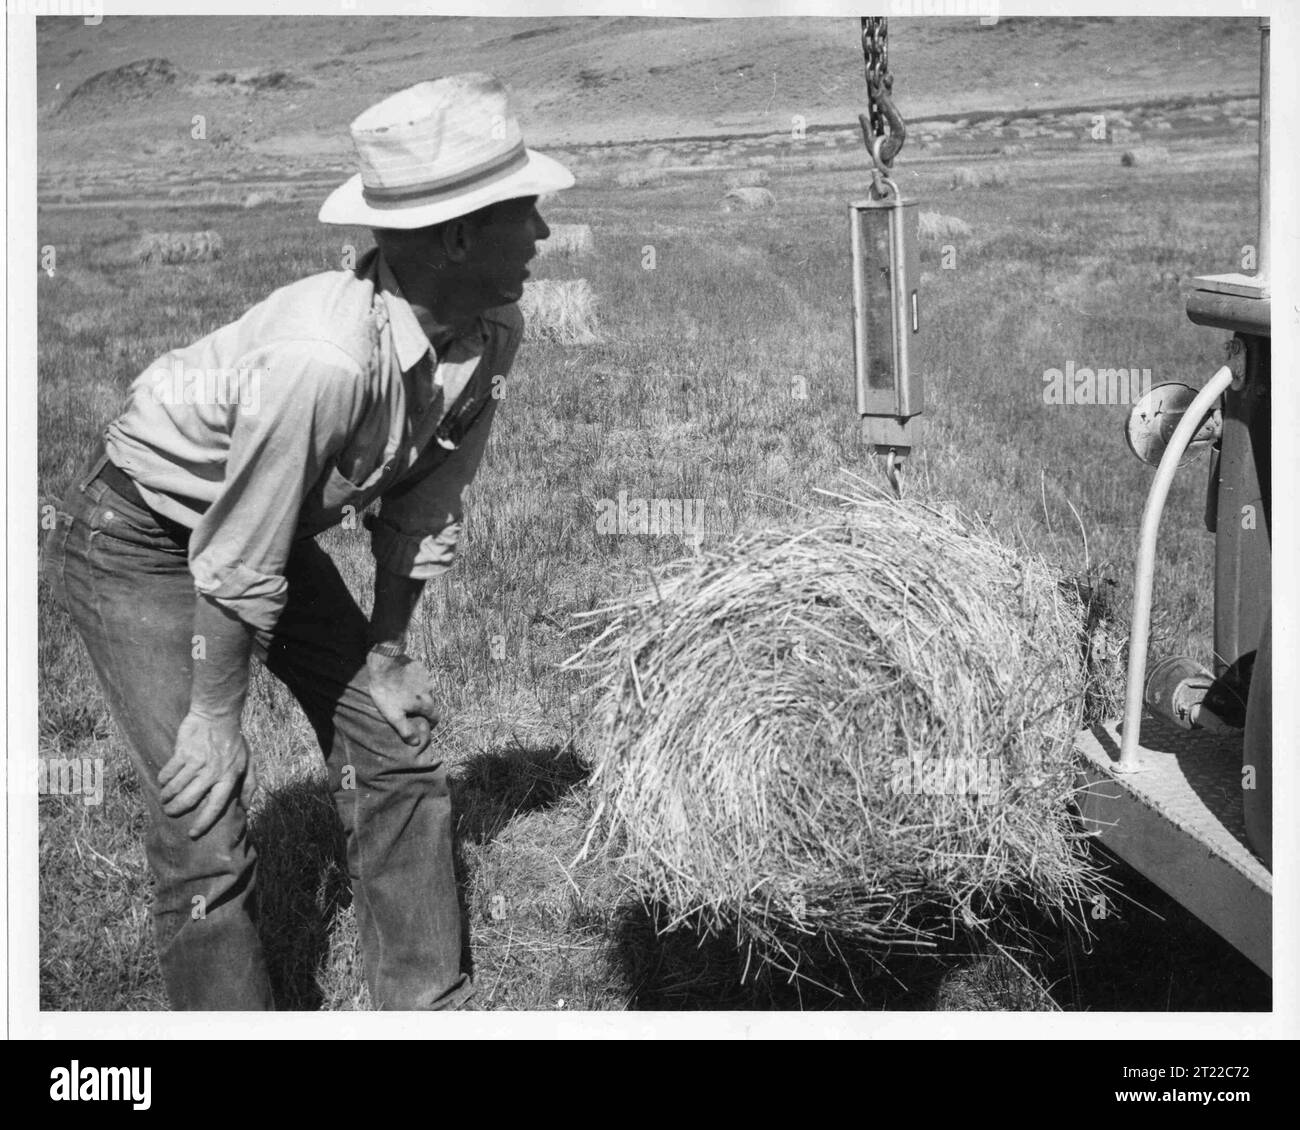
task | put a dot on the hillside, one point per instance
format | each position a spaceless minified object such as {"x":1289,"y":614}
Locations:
{"x":280,"y":88}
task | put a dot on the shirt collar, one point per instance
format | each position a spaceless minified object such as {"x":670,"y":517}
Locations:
{"x":409,"y":339}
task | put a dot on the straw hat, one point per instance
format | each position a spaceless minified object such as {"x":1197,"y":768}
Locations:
{"x":438,"y":150}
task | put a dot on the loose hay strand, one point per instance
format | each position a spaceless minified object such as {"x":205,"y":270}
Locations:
{"x":560,"y":311}
{"x":757,"y":709}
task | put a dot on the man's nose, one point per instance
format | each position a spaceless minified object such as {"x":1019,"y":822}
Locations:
{"x":543,"y":230}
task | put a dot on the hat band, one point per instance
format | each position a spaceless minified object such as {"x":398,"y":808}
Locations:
{"x":492,"y":169}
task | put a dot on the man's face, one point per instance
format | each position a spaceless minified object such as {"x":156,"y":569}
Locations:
{"x":467,"y":266}
{"x":499,"y":250}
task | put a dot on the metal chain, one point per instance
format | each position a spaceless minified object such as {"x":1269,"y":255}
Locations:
{"x":883,"y":129}
{"x":875,"y":56}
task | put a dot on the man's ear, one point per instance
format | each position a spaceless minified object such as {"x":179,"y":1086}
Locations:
{"x":456,"y":236}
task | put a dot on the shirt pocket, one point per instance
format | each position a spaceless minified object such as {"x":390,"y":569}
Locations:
{"x":339,"y":491}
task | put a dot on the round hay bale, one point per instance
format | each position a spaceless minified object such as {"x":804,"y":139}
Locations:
{"x":933,"y":225}
{"x":560,"y":311}
{"x":860,"y":729}
{"x":747,"y":178}
{"x":268,"y":194}
{"x":1144,"y":155}
{"x":567,"y":240}
{"x":640,"y":178}
{"x":966,"y":177}
{"x":170,"y":248}
{"x":747,"y":200}
{"x":146,"y":249}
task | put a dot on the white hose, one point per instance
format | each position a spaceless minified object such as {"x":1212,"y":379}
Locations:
{"x":1143,"y":583}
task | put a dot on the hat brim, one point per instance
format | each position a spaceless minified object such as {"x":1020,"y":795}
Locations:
{"x":348,"y":205}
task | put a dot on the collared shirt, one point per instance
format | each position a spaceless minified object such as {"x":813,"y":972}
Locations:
{"x":321,"y":398}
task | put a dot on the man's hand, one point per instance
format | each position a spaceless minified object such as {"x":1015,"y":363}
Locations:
{"x":402,"y":689}
{"x":210,"y":763}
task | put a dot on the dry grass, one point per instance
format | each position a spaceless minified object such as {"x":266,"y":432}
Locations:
{"x":861,"y":729}
{"x":560,"y":311}
{"x":714,"y":420}
{"x":170,"y":248}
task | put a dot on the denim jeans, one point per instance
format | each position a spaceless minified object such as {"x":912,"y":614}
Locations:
{"x":122,"y":573}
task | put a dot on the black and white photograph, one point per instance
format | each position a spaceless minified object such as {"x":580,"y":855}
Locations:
{"x":672,"y":512}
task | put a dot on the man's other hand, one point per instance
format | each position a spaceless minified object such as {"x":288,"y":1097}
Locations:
{"x":210,"y":764}
{"x":402,"y":689}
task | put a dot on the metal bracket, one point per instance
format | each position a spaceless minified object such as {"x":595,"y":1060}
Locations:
{"x":1236,"y":349}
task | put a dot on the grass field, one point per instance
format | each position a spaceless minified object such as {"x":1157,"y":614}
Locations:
{"x":691,"y":394}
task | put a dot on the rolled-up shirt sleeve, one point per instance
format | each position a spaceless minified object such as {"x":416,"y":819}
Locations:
{"x":309,"y":396}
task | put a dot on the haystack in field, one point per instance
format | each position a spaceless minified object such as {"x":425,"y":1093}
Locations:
{"x":169,"y":248}
{"x":965,"y":177}
{"x":859,"y":730}
{"x":1144,"y":155}
{"x":747,"y":178}
{"x":560,"y":311}
{"x":747,"y":200}
{"x":641,"y":178}
{"x":567,"y":240}
{"x":276,"y":194}
{"x":935,"y":225}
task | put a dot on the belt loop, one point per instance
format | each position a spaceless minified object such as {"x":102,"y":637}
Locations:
{"x":89,"y":475}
